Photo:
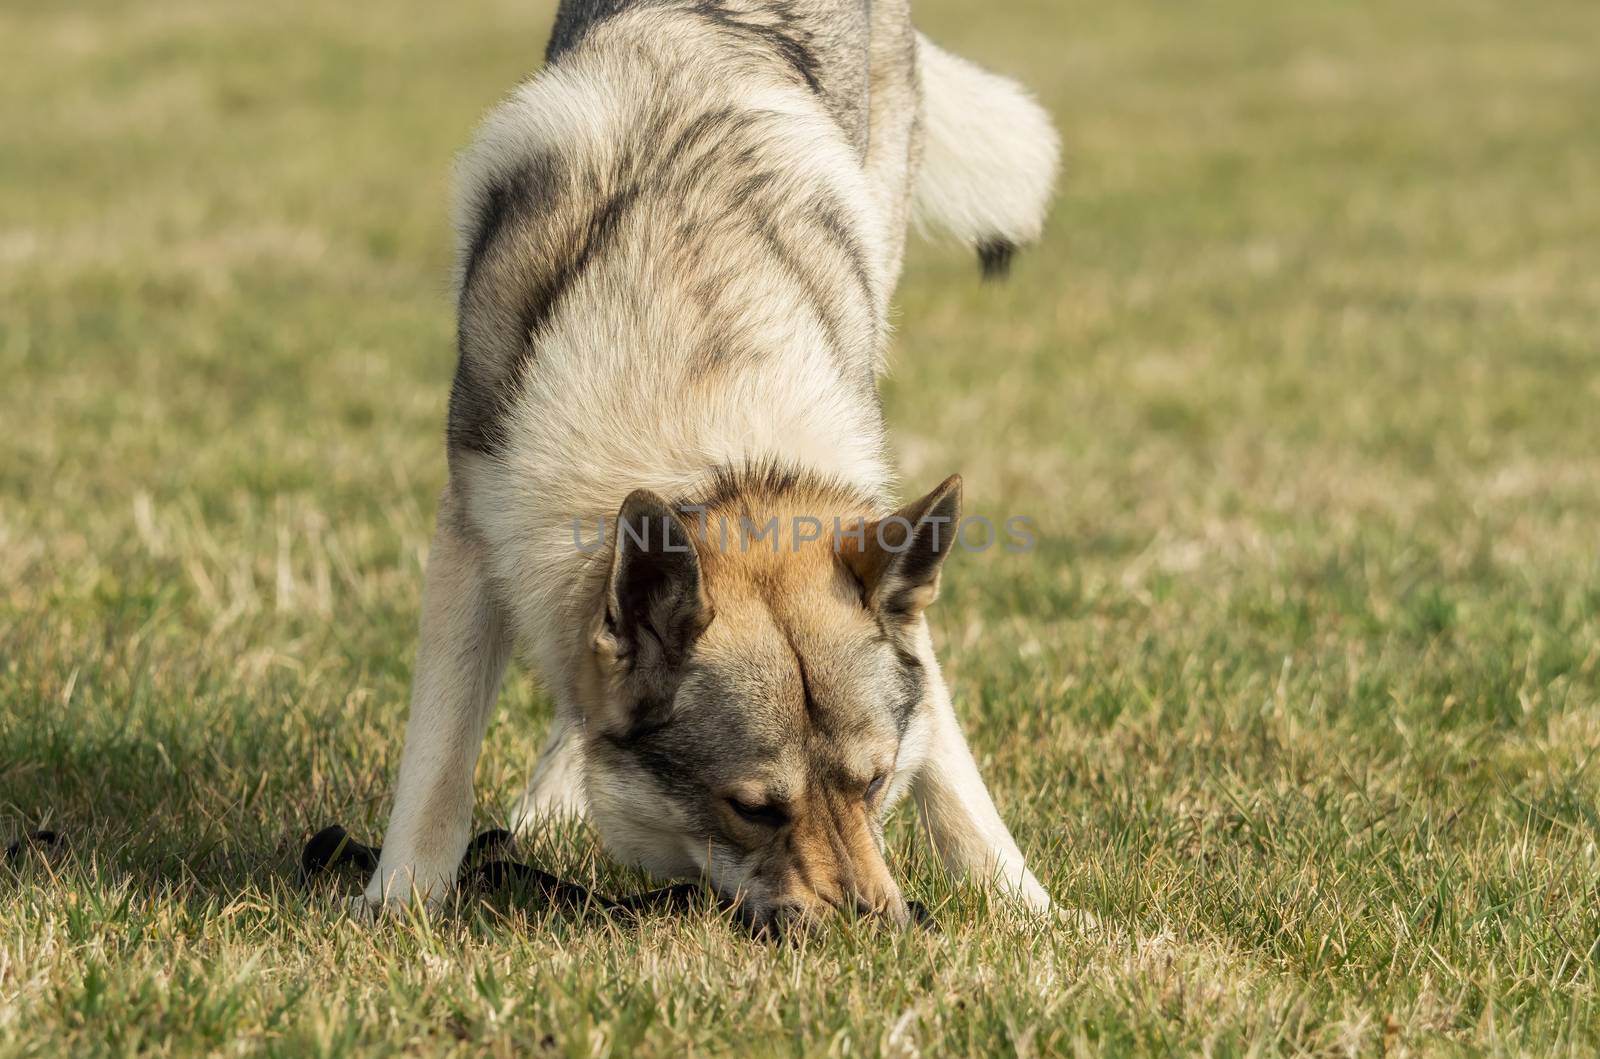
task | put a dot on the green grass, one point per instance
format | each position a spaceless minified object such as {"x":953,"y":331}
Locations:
{"x":1300,"y":692}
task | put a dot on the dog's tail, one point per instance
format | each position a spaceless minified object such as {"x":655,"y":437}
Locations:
{"x":989,"y":158}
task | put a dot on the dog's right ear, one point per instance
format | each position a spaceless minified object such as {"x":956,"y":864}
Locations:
{"x":655,"y":599}
{"x":897,"y":559}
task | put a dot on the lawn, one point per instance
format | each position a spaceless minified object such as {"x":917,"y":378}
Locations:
{"x":1299,"y":693}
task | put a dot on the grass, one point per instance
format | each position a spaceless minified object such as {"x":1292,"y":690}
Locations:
{"x":1298,"y":693}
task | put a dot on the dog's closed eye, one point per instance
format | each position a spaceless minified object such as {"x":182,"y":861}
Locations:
{"x":874,"y":789}
{"x":761,"y":815}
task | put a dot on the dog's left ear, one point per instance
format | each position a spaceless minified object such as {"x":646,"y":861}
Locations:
{"x":655,"y":599}
{"x":898,"y":558}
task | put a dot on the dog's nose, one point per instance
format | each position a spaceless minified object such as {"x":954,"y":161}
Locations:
{"x":789,"y":916}
{"x":810,"y":914}
{"x":889,"y":906}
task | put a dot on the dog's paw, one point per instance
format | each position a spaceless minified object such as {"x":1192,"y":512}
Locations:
{"x":1080,"y":920}
{"x":370,"y":910}
{"x":360,"y":910}
{"x":1029,"y":896}
{"x":396,"y":892}
{"x":1032,"y":898}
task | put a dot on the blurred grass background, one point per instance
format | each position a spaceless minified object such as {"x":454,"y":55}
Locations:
{"x":1298,"y":694}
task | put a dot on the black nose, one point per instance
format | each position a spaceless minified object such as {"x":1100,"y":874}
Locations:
{"x":791,"y":918}
{"x":781,"y":918}
{"x":788,"y":913}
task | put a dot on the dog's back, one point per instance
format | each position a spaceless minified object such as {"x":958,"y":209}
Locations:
{"x":672,"y":170}
{"x":826,"y":42}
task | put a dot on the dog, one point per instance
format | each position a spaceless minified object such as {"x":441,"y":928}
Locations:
{"x":676,"y":249}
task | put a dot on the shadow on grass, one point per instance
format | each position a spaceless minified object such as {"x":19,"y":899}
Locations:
{"x":168,"y":794}
{"x":154,"y":840}
{"x":219,"y":806}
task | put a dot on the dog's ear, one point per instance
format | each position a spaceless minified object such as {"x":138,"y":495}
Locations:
{"x":655,"y":599}
{"x":898,"y":558}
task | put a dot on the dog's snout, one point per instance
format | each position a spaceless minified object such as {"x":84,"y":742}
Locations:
{"x":803,"y":912}
{"x":788,"y":916}
{"x":831,"y":865}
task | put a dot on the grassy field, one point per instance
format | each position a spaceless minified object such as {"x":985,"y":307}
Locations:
{"x":1300,"y":693}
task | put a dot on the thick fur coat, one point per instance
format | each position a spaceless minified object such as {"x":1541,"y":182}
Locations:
{"x":677,"y":248}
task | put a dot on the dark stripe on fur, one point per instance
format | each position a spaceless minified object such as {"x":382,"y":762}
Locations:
{"x":995,"y":256}
{"x":813,"y":711}
{"x":913,"y":685}
{"x":678,"y":776}
{"x":828,"y":215}
{"x":708,"y":131}
{"x":820,"y":302}
{"x":575,"y":18}
{"x":494,"y":212}
{"x":770,"y":479}
{"x":602,"y":226}
{"x":476,"y":395}
{"x":778,"y":39}
{"x":475,"y":419}
{"x":483,"y":385}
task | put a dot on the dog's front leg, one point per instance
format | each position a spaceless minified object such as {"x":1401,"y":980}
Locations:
{"x":464,"y":646}
{"x":960,"y":816}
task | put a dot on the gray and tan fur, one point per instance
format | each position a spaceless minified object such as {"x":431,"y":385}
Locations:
{"x":677,"y":248}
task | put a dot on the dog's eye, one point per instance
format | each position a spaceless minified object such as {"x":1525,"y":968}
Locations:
{"x":874,"y":789}
{"x":761,"y":815}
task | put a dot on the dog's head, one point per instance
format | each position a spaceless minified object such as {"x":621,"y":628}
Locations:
{"x":756,"y":702}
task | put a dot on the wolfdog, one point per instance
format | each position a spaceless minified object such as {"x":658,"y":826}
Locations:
{"x":676,"y":249}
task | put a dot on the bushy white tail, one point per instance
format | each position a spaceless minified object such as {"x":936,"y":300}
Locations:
{"x":989,"y":157}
